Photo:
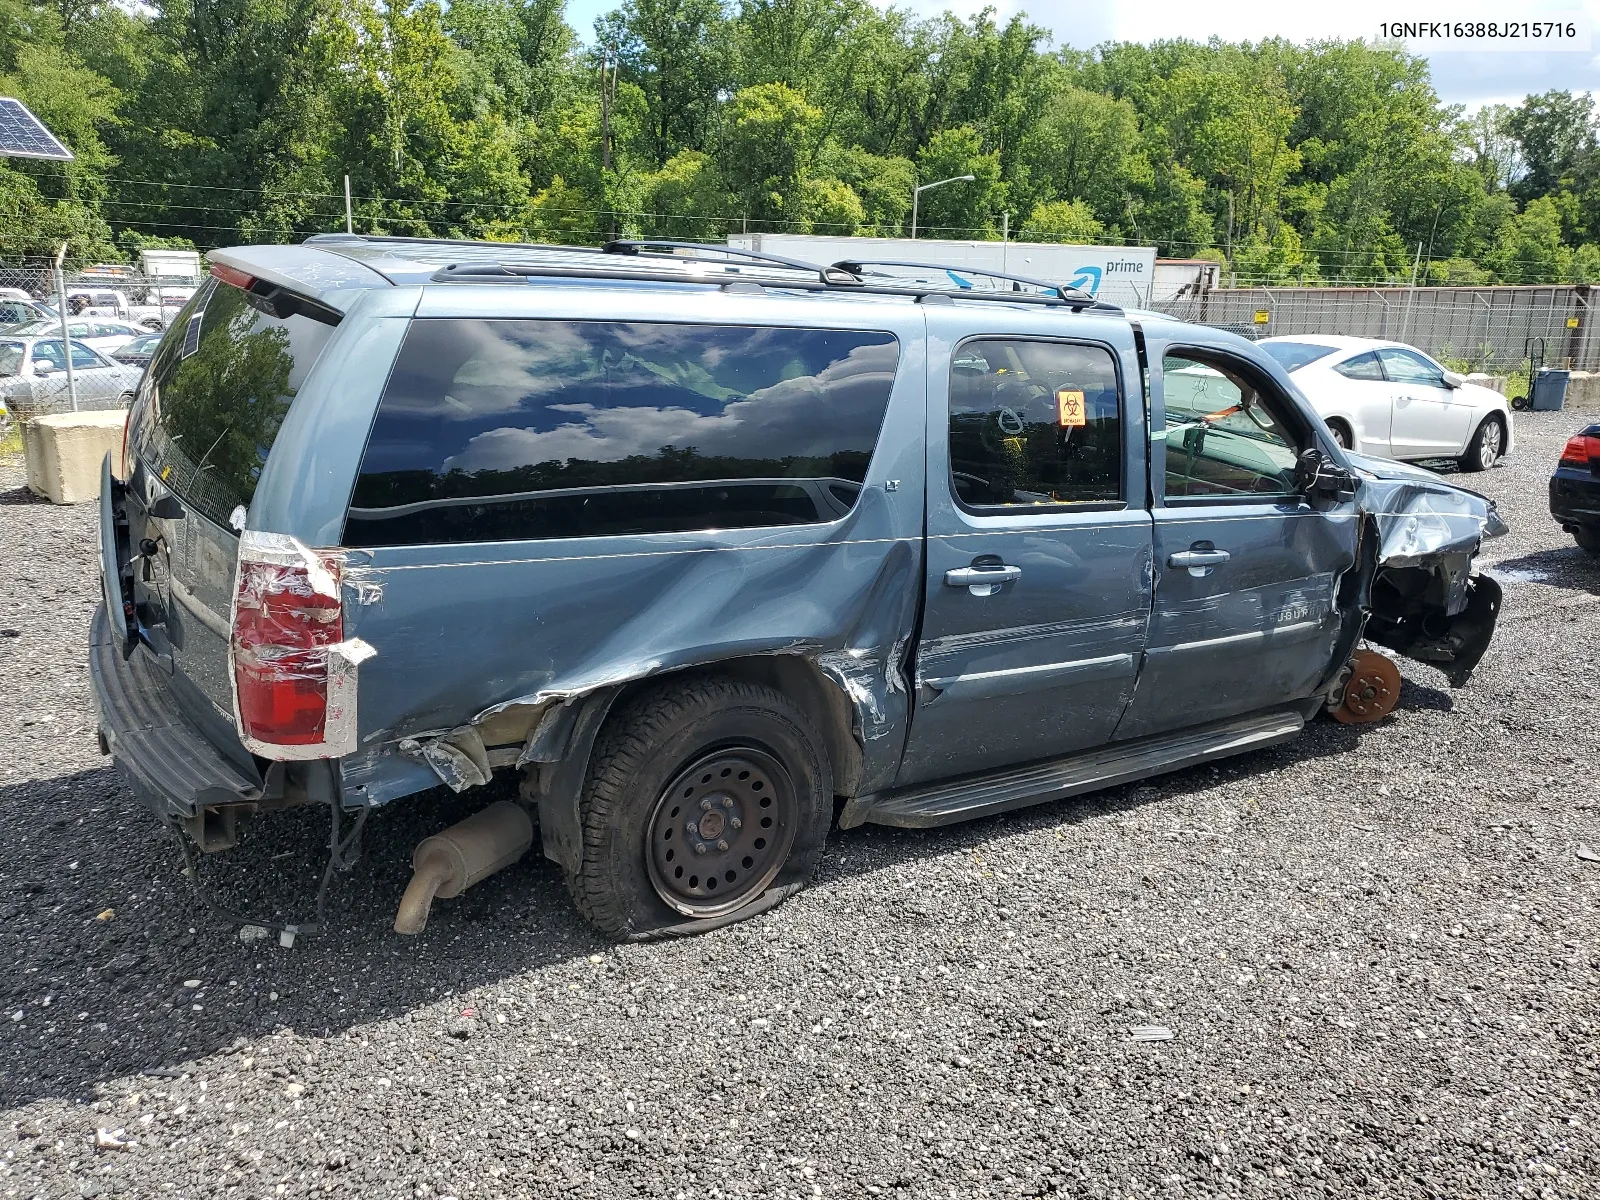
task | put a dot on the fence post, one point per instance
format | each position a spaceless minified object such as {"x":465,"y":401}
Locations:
{"x":66,"y":338}
{"x":1577,"y":335}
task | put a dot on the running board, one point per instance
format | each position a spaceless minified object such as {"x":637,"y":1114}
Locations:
{"x":926,"y":805}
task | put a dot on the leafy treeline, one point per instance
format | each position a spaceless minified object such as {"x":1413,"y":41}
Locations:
{"x":220,"y":121}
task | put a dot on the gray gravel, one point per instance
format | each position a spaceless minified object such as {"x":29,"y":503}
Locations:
{"x":1375,"y":951}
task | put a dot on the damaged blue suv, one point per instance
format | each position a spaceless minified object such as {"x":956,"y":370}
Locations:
{"x":709,"y":549}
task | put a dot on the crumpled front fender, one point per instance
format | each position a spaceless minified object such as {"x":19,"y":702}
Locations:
{"x":1424,"y":601}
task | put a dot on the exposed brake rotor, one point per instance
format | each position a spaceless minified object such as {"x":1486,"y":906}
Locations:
{"x":1372,"y":691}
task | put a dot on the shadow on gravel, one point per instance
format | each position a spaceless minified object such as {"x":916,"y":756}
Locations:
{"x":100,"y":931}
{"x":20,"y":495}
{"x":1565,"y":567}
{"x":103,"y":997}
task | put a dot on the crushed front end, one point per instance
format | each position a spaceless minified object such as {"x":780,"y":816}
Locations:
{"x":1416,"y":585}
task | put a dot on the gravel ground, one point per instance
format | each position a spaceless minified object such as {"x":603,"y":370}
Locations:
{"x":1375,"y":950}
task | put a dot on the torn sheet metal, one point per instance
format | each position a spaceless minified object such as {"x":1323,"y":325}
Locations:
{"x":1420,"y":517}
{"x":1425,"y":601}
{"x":458,"y":758}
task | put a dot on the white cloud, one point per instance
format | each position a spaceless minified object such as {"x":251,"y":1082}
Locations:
{"x":811,"y":415}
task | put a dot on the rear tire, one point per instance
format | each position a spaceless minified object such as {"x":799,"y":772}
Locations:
{"x":1483,"y":451}
{"x":1588,"y":538}
{"x":666,"y":766}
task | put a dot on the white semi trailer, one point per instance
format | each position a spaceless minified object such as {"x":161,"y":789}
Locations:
{"x":1123,"y":275}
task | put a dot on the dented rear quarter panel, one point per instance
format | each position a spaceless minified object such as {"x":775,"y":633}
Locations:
{"x":462,"y":630}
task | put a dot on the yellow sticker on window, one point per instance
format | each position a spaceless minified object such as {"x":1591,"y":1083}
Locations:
{"x":1069,"y":408}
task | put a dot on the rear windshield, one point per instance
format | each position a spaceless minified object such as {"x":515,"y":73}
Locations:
{"x":219,"y":386}
{"x":513,"y":430}
{"x":1292,"y":356}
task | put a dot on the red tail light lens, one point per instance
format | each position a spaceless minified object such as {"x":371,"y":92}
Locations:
{"x":122,"y":459}
{"x":233,"y":275}
{"x":286,"y":615}
{"x":1582,"y":450}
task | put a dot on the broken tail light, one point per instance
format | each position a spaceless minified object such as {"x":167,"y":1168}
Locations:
{"x":293,"y":672}
{"x":1581,"y":451}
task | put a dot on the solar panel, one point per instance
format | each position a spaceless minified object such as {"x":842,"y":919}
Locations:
{"x":23,"y":135}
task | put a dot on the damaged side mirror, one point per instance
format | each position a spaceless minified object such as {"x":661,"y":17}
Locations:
{"x":1322,"y":479}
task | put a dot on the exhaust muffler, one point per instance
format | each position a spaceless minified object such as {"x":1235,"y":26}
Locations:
{"x":448,"y":863}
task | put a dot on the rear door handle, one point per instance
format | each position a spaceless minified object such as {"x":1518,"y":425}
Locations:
{"x":982,"y":581}
{"x":1198,"y":558}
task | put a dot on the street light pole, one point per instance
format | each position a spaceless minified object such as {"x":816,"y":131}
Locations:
{"x":916,"y":195}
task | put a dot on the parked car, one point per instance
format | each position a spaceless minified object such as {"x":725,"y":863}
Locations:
{"x":1575,"y":488}
{"x":138,"y":352}
{"x":33,"y":374}
{"x":695,"y":544}
{"x":103,"y":335}
{"x":17,"y":311}
{"x":1393,"y":401}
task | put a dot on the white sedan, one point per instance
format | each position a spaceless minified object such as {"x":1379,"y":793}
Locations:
{"x":102,"y":333}
{"x":33,"y":376}
{"x":1393,"y":401}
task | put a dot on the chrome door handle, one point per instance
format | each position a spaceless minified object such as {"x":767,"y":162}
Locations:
{"x":1198,"y":558}
{"x":982,"y":581}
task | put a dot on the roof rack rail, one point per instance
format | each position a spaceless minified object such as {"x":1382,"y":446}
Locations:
{"x":642,"y":245}
{"x":846,"y":277}
{"x":1079,"y":298}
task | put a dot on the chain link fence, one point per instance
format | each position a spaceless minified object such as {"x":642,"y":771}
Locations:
{"x":1493,"y":329}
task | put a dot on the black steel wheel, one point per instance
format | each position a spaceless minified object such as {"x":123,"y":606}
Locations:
{"x":720,"y":831}
{"x":708,"y":800}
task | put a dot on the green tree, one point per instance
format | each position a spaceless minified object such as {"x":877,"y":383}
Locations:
{"x":764,"y":153}
{"x":960,"y":210}
{"x":678,"y":52}
{"x":1069,"y":221}
{"x":1553,"y":132}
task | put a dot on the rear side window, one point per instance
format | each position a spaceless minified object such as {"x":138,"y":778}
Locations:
{"x":516,"y":430}
{"x":220,"y":385}
{"x":1362,"y":366}
{"x":1034,"y":423}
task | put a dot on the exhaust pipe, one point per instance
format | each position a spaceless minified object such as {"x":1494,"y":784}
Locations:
{"x":448,"y":863}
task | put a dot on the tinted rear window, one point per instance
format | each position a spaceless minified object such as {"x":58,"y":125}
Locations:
{"x":512,"y":430}
{"x":220,"y":385}
{"x":1292,"y":356}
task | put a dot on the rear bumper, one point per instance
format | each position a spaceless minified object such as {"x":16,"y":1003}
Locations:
{"x":165,"y":755}
{"x":1575,"y":498}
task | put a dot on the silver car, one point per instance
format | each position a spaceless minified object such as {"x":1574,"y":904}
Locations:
{"x":33,"y":376}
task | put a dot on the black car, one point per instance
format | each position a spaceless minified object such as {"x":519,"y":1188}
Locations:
{"x":137,"y":353}
{"x":1575,"y":488}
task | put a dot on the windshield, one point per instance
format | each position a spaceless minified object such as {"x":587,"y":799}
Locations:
{"x":11,"y":358}
{"x":1292,"y":356}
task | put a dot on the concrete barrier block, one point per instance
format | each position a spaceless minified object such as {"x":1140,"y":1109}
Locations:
{"x":64,"y":452}
{"x":1493,"y":382}
{"x":1583,"y":389}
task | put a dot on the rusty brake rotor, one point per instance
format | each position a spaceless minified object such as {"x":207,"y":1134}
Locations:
{"x":1373,"y":689}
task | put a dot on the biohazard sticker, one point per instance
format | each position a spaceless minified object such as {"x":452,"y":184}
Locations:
{"x":1069,"y":408}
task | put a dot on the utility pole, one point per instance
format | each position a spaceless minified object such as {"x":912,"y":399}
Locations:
{"x":66,"y":339}
{"x":349,"y":221}
{"x":1229,"y":251}
{"x":608,"y":95}
{"x":1411,"y":296}
{"x":1005,"y":238}
{"x":607,"y":86}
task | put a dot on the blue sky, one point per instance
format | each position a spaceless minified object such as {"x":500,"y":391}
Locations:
{"x":1461,"y":77}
